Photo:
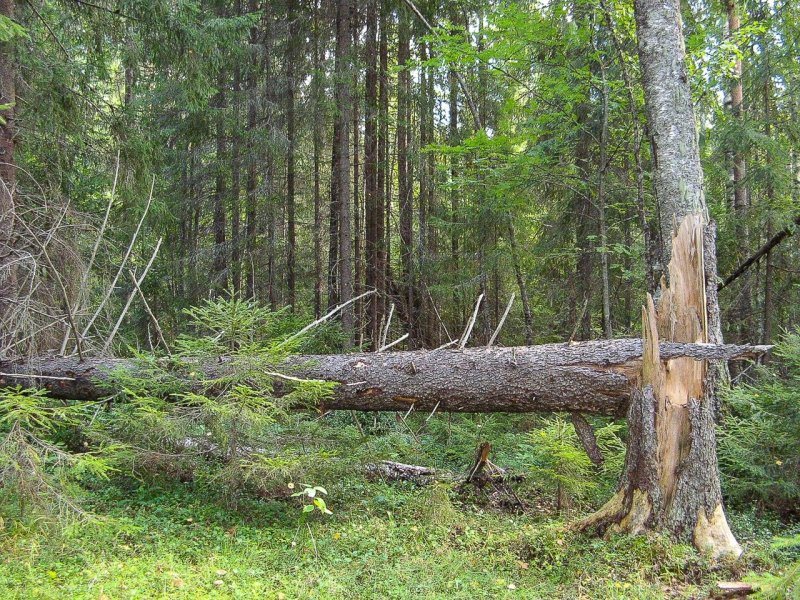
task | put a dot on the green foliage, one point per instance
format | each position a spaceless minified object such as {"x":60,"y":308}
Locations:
{"x":759,"y":449}
{"x":215,"y":411}
{"x":785,"y":586}
{"x":559,"y":463}
{"x":310,"y":494}
{"x":380,"y":542}
{"x":9,"y":31}
{"x":37,"y":471}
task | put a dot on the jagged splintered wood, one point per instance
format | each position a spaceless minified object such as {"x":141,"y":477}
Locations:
{"x":671,"y":477}
{"x":594,"y":377}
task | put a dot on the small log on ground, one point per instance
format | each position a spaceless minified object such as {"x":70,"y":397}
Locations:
{"x":589,"y":377}
{"x":482,"y":473}
{"x":395,"y":471}
{"x":733,"y":589}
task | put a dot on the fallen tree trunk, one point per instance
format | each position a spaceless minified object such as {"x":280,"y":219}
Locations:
{"x":591,"y":377}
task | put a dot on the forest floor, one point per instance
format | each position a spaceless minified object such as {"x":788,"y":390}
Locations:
{"x":382,"y":541}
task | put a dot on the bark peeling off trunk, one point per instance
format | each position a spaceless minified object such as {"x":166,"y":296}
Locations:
{"x":671,"y":478}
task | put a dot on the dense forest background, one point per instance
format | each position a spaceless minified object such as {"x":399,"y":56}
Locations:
{"x":188,"y":187}
{"x":299,"y":153}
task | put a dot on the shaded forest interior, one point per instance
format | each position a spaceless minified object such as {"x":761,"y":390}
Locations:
{"x":299,"y":153}
{"x":385,"y":214}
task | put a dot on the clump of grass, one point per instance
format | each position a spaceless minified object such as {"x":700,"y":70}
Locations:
{"x":435,"y":507}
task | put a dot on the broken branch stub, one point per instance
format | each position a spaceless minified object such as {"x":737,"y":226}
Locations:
{"x":590,"y":377}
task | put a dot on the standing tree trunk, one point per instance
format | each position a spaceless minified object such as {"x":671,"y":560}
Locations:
{"x":605,"y":276}
{"x":220,"y":258}
{"x":316,"y":83}
{"x":769,"y":269}
{"x":291,"y":60}
{"x":404,"y":184}
{"x":236,"y":167}
{"x":8,"y":180}
{"x":654,"y":262}
{"x":250,"y":209}
{"x":371,"y":198}
{"x":358,"y":240}
{"x":455,"y":204}
{"x":742,"y":314}
{"x":383,"y":175}
{"x":671,"y":477}
{"x":341,"y":165}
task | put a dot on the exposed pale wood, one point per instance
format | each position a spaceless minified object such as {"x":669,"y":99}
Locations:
{"x":733,"y":589}
{"x":328,"y":315}
{"x":128,"y":251}
{"x":671,"y":475}
{"x":502,"y":321}
{"x":468,"y":330}
{"x":138,"y":283}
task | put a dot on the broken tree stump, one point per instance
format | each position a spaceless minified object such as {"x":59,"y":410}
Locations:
{"x":671,"y":477}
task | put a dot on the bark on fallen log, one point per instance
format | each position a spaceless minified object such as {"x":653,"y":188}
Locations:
{"x":394,"y":471}
{"x":590,"y":377}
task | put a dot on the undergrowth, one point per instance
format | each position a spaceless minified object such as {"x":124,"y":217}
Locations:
{"x":382,"y":541}
{"x":198,"y":478}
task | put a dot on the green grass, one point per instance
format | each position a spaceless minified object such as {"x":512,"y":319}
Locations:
{"x":382,"y":541}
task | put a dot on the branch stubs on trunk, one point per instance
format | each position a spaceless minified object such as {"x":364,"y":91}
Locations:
{"x":591,"y":377}
{"x":671,"y":478}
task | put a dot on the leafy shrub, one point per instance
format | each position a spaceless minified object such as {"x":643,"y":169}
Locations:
{"x":785,"y":585}
{"x":759,"y":445}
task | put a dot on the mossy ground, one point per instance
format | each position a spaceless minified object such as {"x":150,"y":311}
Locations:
{"x":382,"y":541}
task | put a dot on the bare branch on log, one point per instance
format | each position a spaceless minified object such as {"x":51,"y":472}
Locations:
{"x":394,"y":343}
{"x":388,"y":324}
{"x":138,"y":282}
{"x":321,"y":320}
{"x":468,"y":330}
{"x":150,"y":313}
{"x":592,"y":377}
{"x":502,"y":321}
{"x":125,"y":258}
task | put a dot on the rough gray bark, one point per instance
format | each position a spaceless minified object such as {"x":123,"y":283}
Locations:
{"x":587,"y":438}
{"x":291,"y":87}
{"x":591,"y":377}
{"x":678,"y":176}
{"x":250,"y":189}
{"x":671,"y":477}
{"x":405,"y":182}
{"x":371,"y":196}
{"x":341,"y":165}
{"x":8,"y":178}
